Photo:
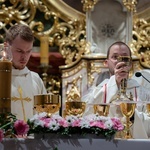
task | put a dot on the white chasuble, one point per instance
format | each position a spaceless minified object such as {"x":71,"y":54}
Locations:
{"x":25,"y":84}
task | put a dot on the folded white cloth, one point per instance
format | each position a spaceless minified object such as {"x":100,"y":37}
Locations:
{"x":140,"y":126}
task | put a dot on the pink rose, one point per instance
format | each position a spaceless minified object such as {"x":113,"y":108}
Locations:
{"x":117,"y":125}
{"x":1,"y":135}
{"x":21,"y":127}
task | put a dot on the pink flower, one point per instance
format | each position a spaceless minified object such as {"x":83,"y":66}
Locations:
{"x":117,"y":125}
{"x":76,"y":123}
{"x":1,"y":135}
{"x":21,"y":127}
{"x":99,"y":124}
{"x":63,"y":123}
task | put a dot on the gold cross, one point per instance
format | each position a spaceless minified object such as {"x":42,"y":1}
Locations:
{"x":21,"y":99}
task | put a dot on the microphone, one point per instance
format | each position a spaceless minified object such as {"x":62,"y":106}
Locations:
{"x":139,"y":74}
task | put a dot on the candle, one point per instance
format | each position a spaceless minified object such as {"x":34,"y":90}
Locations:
{"x":44,"y":50}
{"x":5,"y":86}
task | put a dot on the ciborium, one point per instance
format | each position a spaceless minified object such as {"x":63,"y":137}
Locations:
{"x":75,"y":108}
{"x":47,"y":103}
{"x":101,"y":109}
{"x":127,"y":110}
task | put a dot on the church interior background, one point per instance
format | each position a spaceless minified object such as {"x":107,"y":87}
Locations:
{"x":77,"y":34}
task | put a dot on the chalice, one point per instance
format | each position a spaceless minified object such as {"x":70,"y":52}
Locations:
{"x":75,"y":108}
{"x":122,"y":95}
{"x":47,"y":103}
{"x":101,"y":109}
{"x":127,"y":110}
{"x":148,"y":109}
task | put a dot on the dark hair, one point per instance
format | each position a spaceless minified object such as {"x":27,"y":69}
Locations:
{"x":19,"y":30}
{"x":118,"y":43}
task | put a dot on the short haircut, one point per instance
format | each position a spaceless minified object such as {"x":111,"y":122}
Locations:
{"x":118,"y":43}
{"x":21,"y":30}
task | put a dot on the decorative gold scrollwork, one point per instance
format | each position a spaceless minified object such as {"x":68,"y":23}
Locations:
{"x":130,"y":5}
{"x":93,"y":68}
{"x":140,"y":44}
{"x":88,"y":5}
{"x":74,"y":93}
{"x":64,"y":26}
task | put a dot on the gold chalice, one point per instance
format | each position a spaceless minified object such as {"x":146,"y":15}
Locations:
{"x":127,"y":109}
{"x":122,"y":94}
{"x":101,"y":109}
{"x":47,"y":103}
{"x":75,"y":108}
{"x":148,"y":109}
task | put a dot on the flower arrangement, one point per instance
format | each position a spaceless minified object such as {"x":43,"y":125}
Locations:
{"x":91,"y":124}
{"x":10,"y":127}
{"x":40,"y":123}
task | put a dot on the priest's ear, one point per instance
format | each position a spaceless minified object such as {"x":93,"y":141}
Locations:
{"x":105,"y":63}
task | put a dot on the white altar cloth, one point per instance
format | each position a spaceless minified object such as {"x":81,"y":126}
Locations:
{"x":74,"y":144}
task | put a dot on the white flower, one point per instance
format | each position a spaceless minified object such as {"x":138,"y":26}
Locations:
{"x":35,"y":117}
{"x":43,"y":114}
{"x":71,"y":119}
{"x":108,"y":124}
{"x":53,"y":125}
{"x":85,"y":123}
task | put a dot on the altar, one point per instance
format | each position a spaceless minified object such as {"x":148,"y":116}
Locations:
{"x":74,"y":144}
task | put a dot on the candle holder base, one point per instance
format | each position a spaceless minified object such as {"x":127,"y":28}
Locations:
{"x":44,"y":69}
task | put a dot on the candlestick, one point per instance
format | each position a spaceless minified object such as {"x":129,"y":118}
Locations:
{"x":44,"y":50}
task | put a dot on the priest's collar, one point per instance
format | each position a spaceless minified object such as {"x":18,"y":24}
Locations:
{"x":17,"y":72}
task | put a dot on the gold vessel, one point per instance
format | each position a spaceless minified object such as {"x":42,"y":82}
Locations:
{"x":75,"y":108}
{"x":101,"y":109}
{"x":122,"y":92}
{"x":148,"y":109}
{"x":47,"y":103}
{"x":127,"y":109}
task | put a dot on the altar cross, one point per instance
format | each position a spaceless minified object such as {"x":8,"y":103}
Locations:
{"x":21,"y":99}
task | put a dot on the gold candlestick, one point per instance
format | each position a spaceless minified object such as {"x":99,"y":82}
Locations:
{"x":44,"y":69}
{"x":44,"y":50}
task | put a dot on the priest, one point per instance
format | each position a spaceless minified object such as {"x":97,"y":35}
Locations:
{"x":25,"y":83}
{"x":109,"y":89}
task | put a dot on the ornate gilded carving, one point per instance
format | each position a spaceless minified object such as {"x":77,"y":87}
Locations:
{"x":75,"y":68}
{"x":92,"y":68}
{"x":130,"y":5}
{"x":95,"y":64}
{"x":53,"y":84}
{"x":73,"y":94}
{"x":88,"y":5}
{"x":141,"y":41}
